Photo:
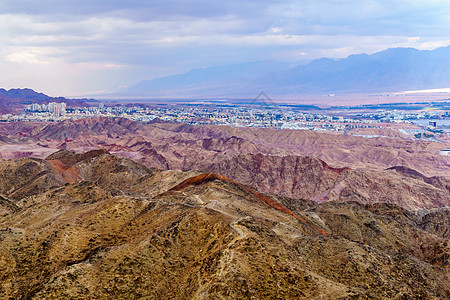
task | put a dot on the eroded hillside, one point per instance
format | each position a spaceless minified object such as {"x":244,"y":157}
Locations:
{"x":93,"y":225}
{"x":293,"y":163}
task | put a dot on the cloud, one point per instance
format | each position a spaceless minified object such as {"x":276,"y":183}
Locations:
{"x":142,"y":10}
{"x":141,"y":39}
{"x":24,"y":57}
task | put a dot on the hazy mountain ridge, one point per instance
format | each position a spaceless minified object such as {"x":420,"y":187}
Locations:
{"x":391,"y":70}
{"x":208,"y":80}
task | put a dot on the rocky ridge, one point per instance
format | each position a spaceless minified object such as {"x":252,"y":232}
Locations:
{"x":115,"y":228}
{"x":297,"y":164}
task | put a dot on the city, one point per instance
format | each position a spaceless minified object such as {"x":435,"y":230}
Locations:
{"x":430,"y":121}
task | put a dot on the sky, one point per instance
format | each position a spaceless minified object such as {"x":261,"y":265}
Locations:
{"x":88,"y":47}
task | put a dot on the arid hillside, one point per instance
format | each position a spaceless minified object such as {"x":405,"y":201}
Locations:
{"x":311,"y":178}
{"x":293,"y":163}
{"x":93,"y":225}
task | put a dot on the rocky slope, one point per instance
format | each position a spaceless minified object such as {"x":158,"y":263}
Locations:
{"x":311,"y":178}
{"x":294,"y":163}
{"x":113,"y":228}
{"x":179,"y":143}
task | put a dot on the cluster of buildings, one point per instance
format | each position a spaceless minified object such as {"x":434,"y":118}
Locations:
{"x":285,"y":117}
{"x":54,"y":108}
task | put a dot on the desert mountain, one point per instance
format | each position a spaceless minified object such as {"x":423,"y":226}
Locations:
{"x":25,"y":94}
{"x":311,"y":178}
{"x":89,"y":127}
{"x":100,"y":226}
{"x":14,"y":99}
{"x":296,"y":164}
{"x":391,"y":70}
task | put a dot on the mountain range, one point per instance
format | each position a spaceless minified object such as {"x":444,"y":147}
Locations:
{"x":391,"y":70}
{"x":102,"y":208}
{"x":13,"y":100}
{"x":292,"y":163}
{"x":96,"y":226}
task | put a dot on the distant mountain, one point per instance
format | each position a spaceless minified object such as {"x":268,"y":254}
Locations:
{"x":13,"y":99}
{"x":25,"y":94}
{"x":392,"y":70}
{"x":208,"y":81}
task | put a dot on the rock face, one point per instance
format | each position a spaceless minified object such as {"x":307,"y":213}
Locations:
{"x":121,"y":230}
{"x":311,"y":178}
{"x":26,"y":176}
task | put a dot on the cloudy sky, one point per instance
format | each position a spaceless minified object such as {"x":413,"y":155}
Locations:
{"x":81,"y":47}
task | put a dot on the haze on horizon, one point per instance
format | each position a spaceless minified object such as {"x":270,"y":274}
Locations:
{"x":74,"y":48}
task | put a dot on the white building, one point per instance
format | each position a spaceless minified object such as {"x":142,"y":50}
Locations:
{"x":445,"y":152}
